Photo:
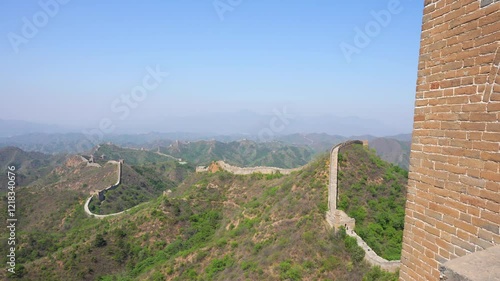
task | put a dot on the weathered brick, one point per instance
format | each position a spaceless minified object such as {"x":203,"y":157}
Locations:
{"x":492,"y":196}
{"x":489,"y":216}
{"x":493,"y":186}
{"x":473,"y":126}
{"x":462,"y":144}
{"x":474,"y":135}
{"x":495,"y":137}
{"x":463,"y":244}
{"x":490,"y":156}
{"x":493,"y":107}
{"x":466,"y":90}
{"x":455,"y":157}
{"x":467,"y":227}
{"x":493,"y":127}
{"x":486,"y":146}
{"x":481,"y":107}
{"x":478,"y":116}
{"x":471,"y":163}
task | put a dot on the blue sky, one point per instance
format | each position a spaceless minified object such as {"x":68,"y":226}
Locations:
{"x":261,"y":55}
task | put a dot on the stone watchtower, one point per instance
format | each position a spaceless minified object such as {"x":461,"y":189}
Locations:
{"x":453,"y":207}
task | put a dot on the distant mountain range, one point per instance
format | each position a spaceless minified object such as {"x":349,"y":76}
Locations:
{"x":279,"y":121}
{"x":29,"y":166}
{"x":294,"y":149}
{"x":202,"y":147}
{"x":396,"y":151}
{"x":241,"y":153}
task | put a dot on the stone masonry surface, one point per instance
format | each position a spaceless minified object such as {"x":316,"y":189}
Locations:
{"x":466,"y":268}
{"x":453,"y":200}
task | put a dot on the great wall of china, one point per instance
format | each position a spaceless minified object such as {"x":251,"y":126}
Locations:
{"x":101,"y":193}
{"x":247,"y":170}
{"x":337,"y":218}
{"x":334,"y":217}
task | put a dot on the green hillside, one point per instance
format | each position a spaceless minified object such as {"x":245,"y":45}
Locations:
{"x":213,"y":226}
{"x":30,"y":166}
{"x":131,"y":156}
{"x":243,"y":153}
{"x":374,"y":193}
{"x":140,"y":184}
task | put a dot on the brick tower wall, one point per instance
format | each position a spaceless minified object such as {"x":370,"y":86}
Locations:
{"x":453,"y":205}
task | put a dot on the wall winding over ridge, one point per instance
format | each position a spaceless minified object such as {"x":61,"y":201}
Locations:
{"x":100,"y":194}
{"x":248,"y":170}
{"x":334,"y":217}
{"x":337,"y":218}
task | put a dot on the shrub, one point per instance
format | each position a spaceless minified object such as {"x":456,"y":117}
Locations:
{"x":289,"y":272}
{"x":218,"y":265}
{"x":99,"y":241}
{"x":377,"y":274}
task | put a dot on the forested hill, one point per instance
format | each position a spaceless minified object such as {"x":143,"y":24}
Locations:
{"x":243,"y":153}
{"x":374,"y":193}
{"x":212,"y":226}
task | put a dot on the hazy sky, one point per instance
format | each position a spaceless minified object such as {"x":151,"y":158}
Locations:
{"x":74,"y":63}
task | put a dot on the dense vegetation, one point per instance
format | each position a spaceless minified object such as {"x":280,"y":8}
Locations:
{"x":374,"y":193}
{"x":213,"y":226}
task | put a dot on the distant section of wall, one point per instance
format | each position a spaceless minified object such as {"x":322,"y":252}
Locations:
{"x":88,"y":212}
{"x":201,"y":169}
{"x":332,"y":186}
{"x":101,"y":193}
{"x":338,"y":218}
{"x":248,"y":170}
{"x":89,"y":163}
{"x":453,"y":200}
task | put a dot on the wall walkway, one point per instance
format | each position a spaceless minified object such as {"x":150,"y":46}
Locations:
{"x":100,"y":194}
{"x":337,"y":218}
{"x":249,"y":170}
